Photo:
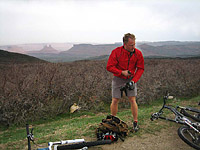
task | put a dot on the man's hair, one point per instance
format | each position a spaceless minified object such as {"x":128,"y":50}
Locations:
{"x":127,"y":36}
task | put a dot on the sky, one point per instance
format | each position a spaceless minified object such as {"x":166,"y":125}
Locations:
{"x":98,"y":21}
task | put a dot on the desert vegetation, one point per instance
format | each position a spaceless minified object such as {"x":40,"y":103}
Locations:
{"x":39,"y":90}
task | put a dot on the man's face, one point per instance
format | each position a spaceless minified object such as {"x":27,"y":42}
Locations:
{"x":130,"y":45}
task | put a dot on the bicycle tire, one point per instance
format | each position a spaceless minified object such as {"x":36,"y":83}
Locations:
{"x":196,"y":118}
{"x":184,"y":133}
{"x":84,"y":144}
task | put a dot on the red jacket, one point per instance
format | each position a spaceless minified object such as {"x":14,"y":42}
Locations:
{"x":120,"y":59}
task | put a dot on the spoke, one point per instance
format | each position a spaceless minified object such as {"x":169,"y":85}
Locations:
{"x":190,"y":134}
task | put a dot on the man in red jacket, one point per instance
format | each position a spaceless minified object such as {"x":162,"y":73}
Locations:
{"x":127,"y":65}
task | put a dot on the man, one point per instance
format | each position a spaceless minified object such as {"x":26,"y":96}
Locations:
{"x":127,"y":65}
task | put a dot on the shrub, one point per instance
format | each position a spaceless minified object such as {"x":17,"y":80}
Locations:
{"x":34,"y":91}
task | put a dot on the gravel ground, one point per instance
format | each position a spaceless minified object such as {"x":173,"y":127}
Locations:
{"x":164,"y":140}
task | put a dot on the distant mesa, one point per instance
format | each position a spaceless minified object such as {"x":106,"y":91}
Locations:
{"x":48,"y":49}
{"x":63,"y":52}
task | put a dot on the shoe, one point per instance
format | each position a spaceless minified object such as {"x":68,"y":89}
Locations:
{"x":135,"y":126}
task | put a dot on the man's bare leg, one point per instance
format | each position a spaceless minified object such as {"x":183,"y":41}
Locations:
{"x":114,"y":106}
{"x":134,"y":108}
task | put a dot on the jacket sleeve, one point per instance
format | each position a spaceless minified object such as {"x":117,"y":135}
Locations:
{"x":112,"y":63}
{"x":139,"y":68}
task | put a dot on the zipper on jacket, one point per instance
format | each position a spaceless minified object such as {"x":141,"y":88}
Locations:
{"x":129,"y":57}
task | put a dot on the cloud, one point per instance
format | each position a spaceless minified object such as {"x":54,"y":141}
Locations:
{"x":98,"y":21}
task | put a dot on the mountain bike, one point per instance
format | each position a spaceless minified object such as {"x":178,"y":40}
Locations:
{"x":65,"y":145}
{"x":190,"y":131}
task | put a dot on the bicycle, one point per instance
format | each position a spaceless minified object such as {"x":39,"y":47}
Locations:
{"x":80,"y":144}
{"x":190,"y":131}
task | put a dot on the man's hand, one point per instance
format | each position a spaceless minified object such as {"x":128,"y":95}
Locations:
{"x":126,"y":73}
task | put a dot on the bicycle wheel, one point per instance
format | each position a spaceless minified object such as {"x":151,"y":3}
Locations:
{"x":84,"y":144}
{"x":193,"y":115}
{"x":189,"y":136}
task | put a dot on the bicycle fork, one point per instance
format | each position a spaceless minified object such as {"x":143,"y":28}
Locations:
{"x":191,"y":126}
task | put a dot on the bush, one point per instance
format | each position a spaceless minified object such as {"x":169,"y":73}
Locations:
{"x":34,"y":91}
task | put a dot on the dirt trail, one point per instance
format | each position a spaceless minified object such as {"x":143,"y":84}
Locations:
{"x":164,"y":140}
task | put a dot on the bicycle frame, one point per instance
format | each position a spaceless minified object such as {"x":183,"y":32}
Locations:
{"x":64,"y":142}
{"x":67,"y":144}
{"x":189,"y":109}
{"x":179,"y":117}
{"x":30,"y":138}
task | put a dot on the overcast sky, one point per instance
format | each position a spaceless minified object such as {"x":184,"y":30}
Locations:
{"x":98,"y":21}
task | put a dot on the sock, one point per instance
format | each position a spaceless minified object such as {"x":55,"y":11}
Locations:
{"x":135,"y":123}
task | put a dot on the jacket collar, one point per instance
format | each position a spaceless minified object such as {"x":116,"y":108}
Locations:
{"x":124,"y":50}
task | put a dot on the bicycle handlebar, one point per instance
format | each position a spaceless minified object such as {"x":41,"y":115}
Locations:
{"x":28,"y":137}
{"x":160,"y":112}
{"x":166,"y":97}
